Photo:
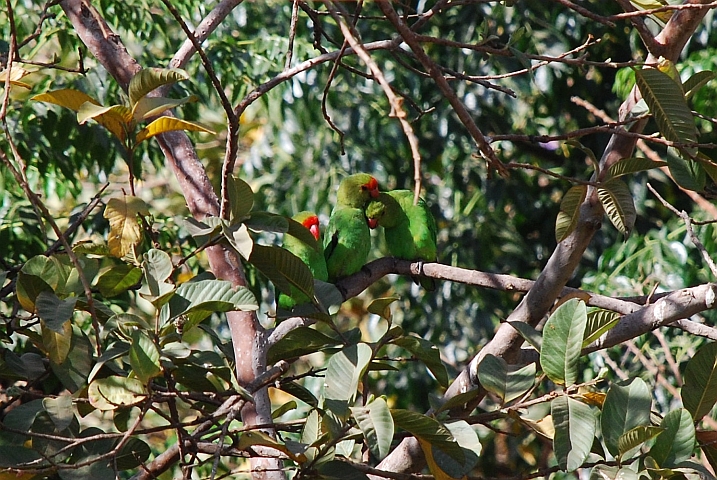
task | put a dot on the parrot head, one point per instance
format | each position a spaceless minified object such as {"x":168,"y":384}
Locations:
{"x":356,"y":190}
{"x":374,"y":212}
{"x":310,"y":221}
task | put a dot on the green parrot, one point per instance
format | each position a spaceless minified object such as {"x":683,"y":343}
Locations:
{"x":410,"y":230}
{"x":348,"y":238}
{"x":312,"y":257}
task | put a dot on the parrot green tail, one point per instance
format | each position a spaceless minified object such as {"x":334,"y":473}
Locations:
{"x":347,"y":242}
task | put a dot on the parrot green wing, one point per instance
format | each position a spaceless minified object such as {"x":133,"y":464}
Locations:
{"x":312,"y":256}
{"x":422,"y":225}
{"x":347,"y":242}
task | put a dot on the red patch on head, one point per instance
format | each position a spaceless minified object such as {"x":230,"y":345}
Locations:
{"x":372,"y":187}
{"x":312,"y":223}
{"x":372,"y":223}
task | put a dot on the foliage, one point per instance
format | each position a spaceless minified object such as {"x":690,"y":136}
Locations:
{"x":120,"y":344}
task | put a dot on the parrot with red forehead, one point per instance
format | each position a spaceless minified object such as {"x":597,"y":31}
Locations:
{"x":311,"y":255}
{"x":410,"y":230}
{"x":348,"y":239}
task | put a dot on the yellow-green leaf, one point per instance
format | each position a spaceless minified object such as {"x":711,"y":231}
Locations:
{"x":569,"y":211}
{"x":125,"y":232}
{"x":148,"y":107}
{"x":148,"y":79}
{"x":168,"y":124}
{"x":116,"y":118}
{"x":66,"y":97}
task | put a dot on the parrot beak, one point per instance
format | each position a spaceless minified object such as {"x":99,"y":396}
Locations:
{"x":372,"y":223}
{"x":314,"y":229}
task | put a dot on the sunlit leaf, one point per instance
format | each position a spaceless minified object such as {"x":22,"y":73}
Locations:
{"x":57,"y":342}
{"x":529,"y":334}
{"x":569,"y":211}
{"x":575,"y":425}
{"x":426,"y":352}
{"x":148,"y":107}
{"x":148,"y":79}
{"x":619,"y":206}
{"x":667,"y":104}
{"x":66,"y":97}
{"x":636,"y":437}
{"x":116,"y":118}
{"x":345,"y":370}
{"x":376,"y":423}
{"x":241,"y":198}
{"x":118,"y":279}
{"x":697,"y":81}
{"x":168,"y":124}
{"x":299,"y":341}
{"x":676,"y":443}
{"x":686,"y":172}
{"x":562,"y":341}
{"x":283,"y":268}
{"x":144,"y":357}
{"x":598,"y":323}
{"x":113,"y":392}
{"x":382,"y":307}
{"x":125,"y":231}
{"x":253,"y":438}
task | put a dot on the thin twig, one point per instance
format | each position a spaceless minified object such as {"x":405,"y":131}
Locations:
{"x":292,"y":33}
{"x":688,"y":223}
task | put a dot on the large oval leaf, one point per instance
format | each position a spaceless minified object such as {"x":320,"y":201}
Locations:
{"x":667,"y":104}
{"x":148,"y":107}
{"x":345,"y":370}
{"x":115,"y":118}
{"x":626,"y":406}
{"x":426,"y":352}
{"x":66,"y":97}
{"x":631,"y":165}
{"x":376,"y":423}
{"x":574,"y":431}
{"x":676,"y":443}
{"x":298,"y":342}
{"x":562,"y":341}
{"x":144,"y":357}
{"x":125,"y":231}
{"x":618,"y":204}
{"x":283,"y":268}
{"x":507,"y":381}
{"x":114,"y":392}
{"x":699,"y":393}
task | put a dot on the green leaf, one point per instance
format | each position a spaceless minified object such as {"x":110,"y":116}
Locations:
{"x":626,"y":406}
{"x":114,"y":392}
{"x":529,"y":334}
{"x":168,"y":124}
{"x":199,"y":299}
{"x":574,"y":431}
{"x":148,"y":79}
{"x":466,"y":437}
{"x":338,"y":470}
{"x":603,"y":472}
{"x":686,"y":172}
{"x":241,"y":198}
{"x":344,"y":372}
{"x":634,"y":438}
{"x":562,"y":341}
{"x":569,"y":211}
{"x":53,"y":311}
{"x":697,"y":81}
{"x":376,"y":423}
{"x":157,"y":267}
{"x":507,"y":381}
{"x":676,"y":444}
{"x":286,"y":407}
{"x":299,"y":391}
{"x":204,"y":231}
{"x":699,"y":392}
{"x":382,"y":307}
{"x":298,"y":342}
{"x":429,"y":430}
{"x":57,"y":344}
{"x":283,"y":268}
{"x":144,"y":357}
{"x":148,"y":107}
{"x":28,"y":366}
{"x":618,"y":204}
{"x":269,"y":222}
{"x":628,"y":166}
{"x":297,"y":230}
{"x":60,"y":410}
{"x":73,"y":371}
{"x":599,"y":322}
{"x":133,"y":454}
{"x":116,"y":350}
{"x":118,"y":279}
{"x":667,"y":104}
{"x":426,"y":352}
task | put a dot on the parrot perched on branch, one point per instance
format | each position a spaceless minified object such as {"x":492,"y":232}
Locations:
{"x":312,"y":257}
{"x":348,"y":238}
{"x":410,"y":230}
